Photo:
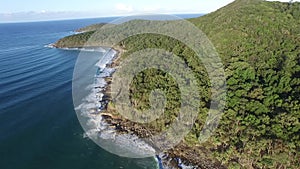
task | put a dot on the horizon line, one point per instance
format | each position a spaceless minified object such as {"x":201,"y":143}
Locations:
{"x":96,"y":17}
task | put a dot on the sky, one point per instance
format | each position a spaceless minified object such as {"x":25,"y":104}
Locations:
{"x":38,"y":10}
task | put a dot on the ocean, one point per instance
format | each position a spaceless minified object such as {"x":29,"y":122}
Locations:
{"x":38,"y":124}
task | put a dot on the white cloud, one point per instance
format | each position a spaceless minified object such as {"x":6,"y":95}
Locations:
{"x":124,"y":8}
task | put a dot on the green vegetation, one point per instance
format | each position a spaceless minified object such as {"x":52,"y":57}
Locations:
{"x":141,"y":88}
{"x":79,"y":40}
{"x":73,"y":41}
{"x":259,"y":43}
{"x":92,"y":27}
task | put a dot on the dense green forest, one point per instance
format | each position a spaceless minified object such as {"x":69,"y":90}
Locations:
{"x":259,"y":44}
{"x":92,"y":27}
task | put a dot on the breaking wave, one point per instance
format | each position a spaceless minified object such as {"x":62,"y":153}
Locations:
{"x":96,"y":126}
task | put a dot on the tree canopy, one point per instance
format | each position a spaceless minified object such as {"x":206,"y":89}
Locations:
{"x":259,"y":44}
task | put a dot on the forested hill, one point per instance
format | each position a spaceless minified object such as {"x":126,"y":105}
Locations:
{"x":259,"y":44}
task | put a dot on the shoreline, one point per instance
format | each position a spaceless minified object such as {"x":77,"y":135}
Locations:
{"x":109,"y":125}
{"x":173,"y":158}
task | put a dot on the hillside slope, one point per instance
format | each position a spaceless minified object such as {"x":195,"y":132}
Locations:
{"x":259,"y":43}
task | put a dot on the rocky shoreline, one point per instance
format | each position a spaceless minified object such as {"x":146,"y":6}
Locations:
{"x":180,"y":157}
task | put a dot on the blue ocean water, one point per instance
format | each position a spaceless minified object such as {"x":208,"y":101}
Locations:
{"x":38,"y":124}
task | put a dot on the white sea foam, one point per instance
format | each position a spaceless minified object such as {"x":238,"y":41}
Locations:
{"x":85,"y":49}
{"x":107,"y":59}
{"x":97,"y":127}
{"x":93,"y":97}
{"x":49,"y":46}
{"x":133,"y":145}
{"x":100,"y":82}
{"x":164,"y":160}
{"x":106,"y":72}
